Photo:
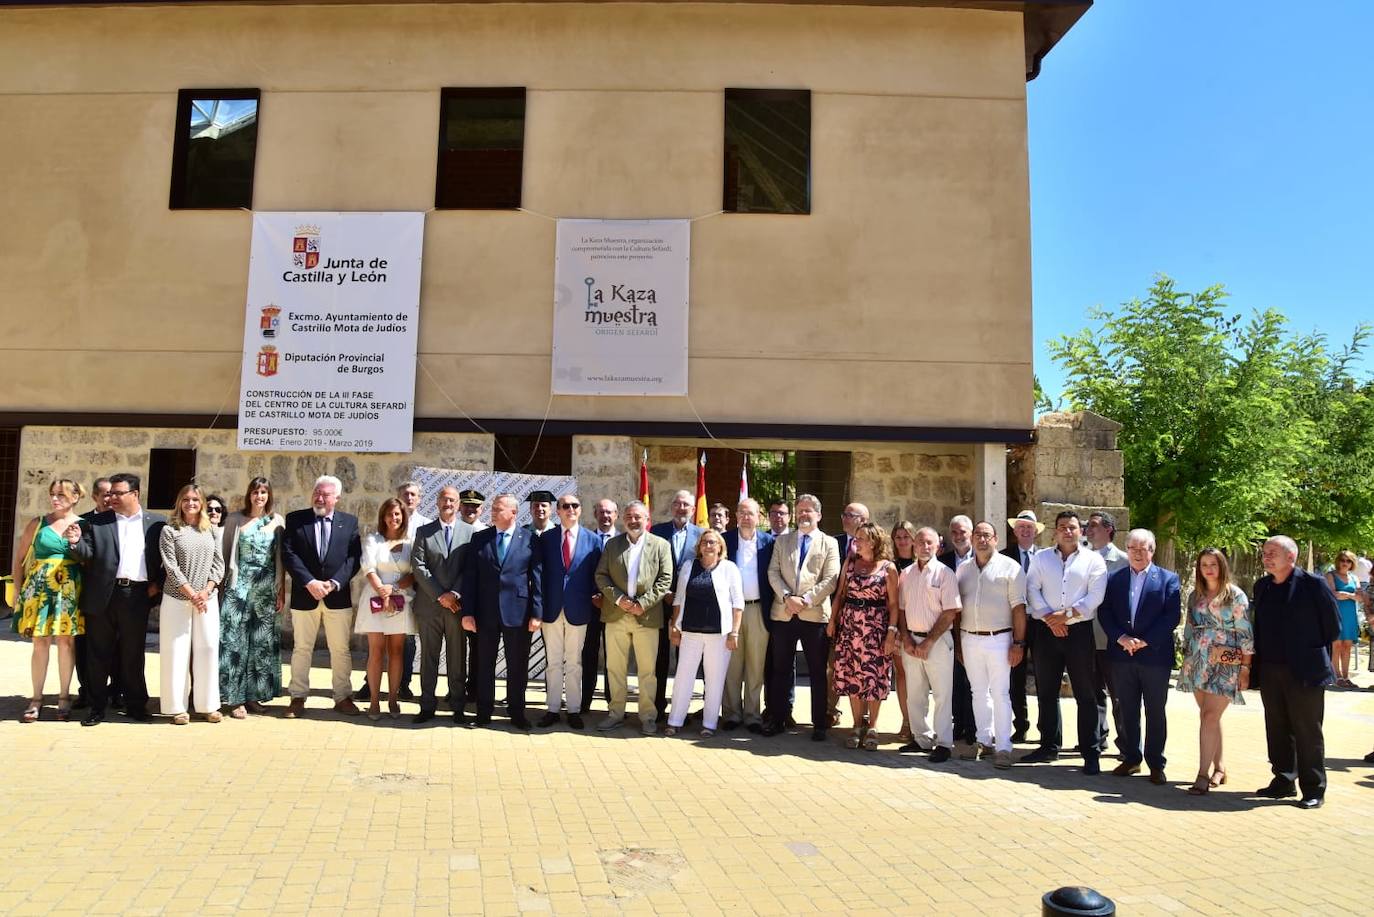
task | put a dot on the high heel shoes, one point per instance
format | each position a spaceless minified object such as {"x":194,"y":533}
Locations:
{"x":1200,"y":786}
{"x":64,"y":709}
{"x":1217,"y":779}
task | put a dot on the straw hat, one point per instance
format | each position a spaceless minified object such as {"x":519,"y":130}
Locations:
{"x":1027,"y":516}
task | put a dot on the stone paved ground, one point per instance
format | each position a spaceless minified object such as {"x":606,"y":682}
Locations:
{"x":331,"y":815}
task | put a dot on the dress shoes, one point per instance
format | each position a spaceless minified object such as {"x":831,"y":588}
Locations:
{"x":1277,"y":789}
{"x":611,"y":722}
{"x":648,"y":727}
{"x":730,"y":725}
{"x":519,"y":722}
{"x":818,"y":735}
{"x":789,"y":722}
{"x":757,"y":729}
{"x":768,"y":730}
{"x":1309,"y":802}
{"x":1157,"y":776}
{"x":296,"y":708}
{"x":1041,"y":755}
{"x":347,"y":707}
{"x":93,"y":719}
{"x":911,"y":747}
{"x":1091,"y":767}
{"x":976,"y":752}
{"x":575,"y":721}
{"x":548,"y":719}
{"x":424,"y":716}
{"x":940,"y":754}
{"x":1126,"y":769}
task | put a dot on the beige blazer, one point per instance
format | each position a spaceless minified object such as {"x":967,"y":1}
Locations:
{"x":655,"y":578}
{"x":814,"y":582}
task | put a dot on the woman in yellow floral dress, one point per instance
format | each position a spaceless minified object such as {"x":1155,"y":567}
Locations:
{"x":47,"y":580}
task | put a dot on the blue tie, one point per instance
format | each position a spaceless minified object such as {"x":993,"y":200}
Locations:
{"x":448,"y":538}
{"x":501,"y":547}
{"x":801,"y":555}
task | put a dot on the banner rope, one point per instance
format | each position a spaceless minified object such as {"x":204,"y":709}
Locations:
{"x":472,"y":420}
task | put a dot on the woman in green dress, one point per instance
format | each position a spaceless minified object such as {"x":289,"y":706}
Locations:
{"x":254,"y":592}
{"x":47,"y":581}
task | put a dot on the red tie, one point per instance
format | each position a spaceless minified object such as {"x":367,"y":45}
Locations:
{"x":567,"y":548}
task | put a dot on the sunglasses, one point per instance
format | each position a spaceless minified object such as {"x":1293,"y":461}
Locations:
{"x":569,"y":505}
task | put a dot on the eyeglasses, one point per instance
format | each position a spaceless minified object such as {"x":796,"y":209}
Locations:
{"x":120,"y":493}
{"x":852,"y":515}
{"x":569,"y":505}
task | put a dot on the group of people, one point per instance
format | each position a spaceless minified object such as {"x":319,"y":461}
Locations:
{"x":954,"y":632}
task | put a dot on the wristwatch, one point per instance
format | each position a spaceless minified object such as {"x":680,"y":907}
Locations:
{"x":1020,"y":643}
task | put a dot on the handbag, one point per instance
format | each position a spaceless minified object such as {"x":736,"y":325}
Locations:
{"x":393,"y":604}
{"x":1225,"y":655}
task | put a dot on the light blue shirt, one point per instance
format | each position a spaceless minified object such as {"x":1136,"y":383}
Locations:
{"x":1137,"y":587}
{"x":679,"y":542}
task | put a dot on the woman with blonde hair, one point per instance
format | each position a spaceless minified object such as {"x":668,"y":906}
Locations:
{"x":47,"y":586}
{"x":1345,"y":586}
{"x":384,"y":607}
{"x":704,"y":627}
{"x":188,"y":631}
{"x":1218,"y":642}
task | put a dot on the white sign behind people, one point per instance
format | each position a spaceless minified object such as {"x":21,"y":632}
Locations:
{"x":620,"y":307}
{"x":329,"y":339}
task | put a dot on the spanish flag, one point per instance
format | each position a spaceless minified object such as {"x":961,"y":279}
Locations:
{"x":703,"y":518}
{"x":644,"y":482}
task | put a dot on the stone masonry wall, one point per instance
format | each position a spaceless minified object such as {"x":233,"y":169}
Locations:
{"x":908,"y":482}
{"x":1074,"y":464}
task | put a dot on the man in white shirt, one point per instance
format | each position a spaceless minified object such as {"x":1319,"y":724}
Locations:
{"x":1063,"y":590}
{"x":992,"y":639}
{"x":929,"y":600}
{"x":751,"y":551}
{"x":1101,"y":530}
{"x":1025,"y":527}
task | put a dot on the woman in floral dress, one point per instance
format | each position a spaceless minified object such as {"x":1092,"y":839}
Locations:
{"x":1218,"y":643}
{"x":254,"y":592}
{"x":47,"y":583}
{"x":862,"y":629}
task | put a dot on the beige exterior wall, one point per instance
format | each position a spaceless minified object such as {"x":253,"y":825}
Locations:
{"x":913,"y":266}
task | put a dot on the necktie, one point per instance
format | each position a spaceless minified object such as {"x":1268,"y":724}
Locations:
{"x":448,"y":538}
{"x":1025,"y":561}
{"x":801,"y":554}
{"x":324,"y":536}
{"x":567,"y":548}
{"x":501,"y":542}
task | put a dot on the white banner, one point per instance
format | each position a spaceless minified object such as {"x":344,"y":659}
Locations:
{"x":620,"y":307}
{"x":329,"y":340}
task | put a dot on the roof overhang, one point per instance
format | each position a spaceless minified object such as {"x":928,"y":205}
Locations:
{"x":1044,"y":21}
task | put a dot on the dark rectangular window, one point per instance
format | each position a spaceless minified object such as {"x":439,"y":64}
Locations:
{"x":481,"y":148}
{"x":767,"y":151}
{"x":169,"y":470}
{"x":214,"y":150}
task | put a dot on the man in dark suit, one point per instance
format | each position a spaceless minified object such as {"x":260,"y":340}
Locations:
{"x":502,"y":606}
{"x":681,"y":534}
{"x":1296,"y":620}
{"x":436,"y":558}
{"x":122,"y":575}
{"x":607,"y":513}
{"x":751,"y":550}
{"x":100,"y":491}
{"x":567,"y":557}
{"x":1141,"y":608}
{"x":1021,"y":549}
{"x":960,"y":541}
{"x":322,"y":552}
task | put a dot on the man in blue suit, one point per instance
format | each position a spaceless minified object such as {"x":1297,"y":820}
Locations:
{"x":567,"y":558}
{"x":681,"y":534}
{"x":1139,"y":613}
{"x":751,"y":549}
{"x":502,"y":605}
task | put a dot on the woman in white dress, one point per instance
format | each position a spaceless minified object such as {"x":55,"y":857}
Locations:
{"x":384,"y":607}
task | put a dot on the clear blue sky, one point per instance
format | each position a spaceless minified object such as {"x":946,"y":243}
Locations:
{"x":1216,"y":141}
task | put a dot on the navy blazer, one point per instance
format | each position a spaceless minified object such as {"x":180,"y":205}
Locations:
{"x":1308,"y":627}
{"x":765,"y":548}
{"x":569,"y":590}
{"x":302,"y":559}
{"x":665,"y":531}
{"x":496,"y":593}
{"x":1157,"y":614}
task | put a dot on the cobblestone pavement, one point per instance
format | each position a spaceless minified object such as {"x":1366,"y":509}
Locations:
{"x":332,"y":815}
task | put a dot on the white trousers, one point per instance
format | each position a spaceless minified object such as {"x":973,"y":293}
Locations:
{"x":927,"y":679}
{"x":563,"y":662}
{"x":744,"y":679}
{"x":188,"y":641}
{"x":989,"y":675}
{"x":338,"y":629}
{"x":707,"y":650}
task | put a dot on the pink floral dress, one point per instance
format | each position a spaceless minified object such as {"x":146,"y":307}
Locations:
{"x":861,"y":668}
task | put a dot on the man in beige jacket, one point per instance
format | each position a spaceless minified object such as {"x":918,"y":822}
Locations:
{"x":804,"y":571}
{"x":635,"y":575}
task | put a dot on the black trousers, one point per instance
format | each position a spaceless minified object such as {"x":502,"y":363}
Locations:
{"x":516,"y":641}
{"x":962,"y":704}
{"x":1105,"y":688}
{"x":470,"y":685}
{"x":1135,"y":684}
{"x":1020,"y":713}
{"x":1053,"y":655}
{"x":591,"y":663}
{"x":1293,"y":728}
{"x":114,"y":643}
{"x":782,"y":648}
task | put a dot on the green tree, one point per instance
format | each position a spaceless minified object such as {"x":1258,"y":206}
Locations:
{"x":1210,"y":440}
